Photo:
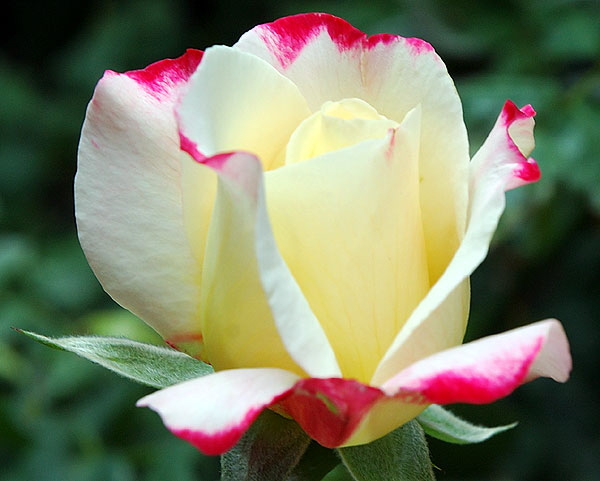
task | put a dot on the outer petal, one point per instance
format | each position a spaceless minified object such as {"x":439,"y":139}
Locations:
{"x":254,"y":312}
{"x":493,"y":170}
{"x":348,"y":225}
{"x":329,"y":60}
{"x":488,"y":369}
{"x":128,"y":197}
{"x":214,"y":411}
{"x":237,"y":101}
{"x":344,"y":412}
{"x":507,"y":147}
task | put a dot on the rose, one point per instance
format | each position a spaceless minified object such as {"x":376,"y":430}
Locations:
{"x":299,"y":210}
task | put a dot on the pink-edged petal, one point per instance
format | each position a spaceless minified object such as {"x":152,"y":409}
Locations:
{"x":237,"y":101}
{"x":507,"y":148}
{"x":214,"y":411}
{"x":128,"y":198}
{"x":329,"y":60}
{"x":343,"y":412}
{"x":254,"y":312}
{"x":492,"y":172}
{"x":487,"y":369}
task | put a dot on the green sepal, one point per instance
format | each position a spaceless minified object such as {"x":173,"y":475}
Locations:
{"x":445,"y":426}
{"x":402,"y":455}
{"x":339,"y":473}
{"x":268,"y":451}
{"x":146,"y":364}
{"x":315,"y":463}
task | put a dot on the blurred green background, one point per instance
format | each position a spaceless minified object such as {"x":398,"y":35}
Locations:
{"x":62,"y":418}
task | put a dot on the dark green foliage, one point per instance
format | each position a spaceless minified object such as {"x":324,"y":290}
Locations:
{"x":61,"y":418}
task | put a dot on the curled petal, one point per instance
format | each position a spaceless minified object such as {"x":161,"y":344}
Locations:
{"x":343,"y":412}
{"x":507,"y":148}
{"x":128,"y":198}
{"x":487,"y":369}
{"x":214,"y":411}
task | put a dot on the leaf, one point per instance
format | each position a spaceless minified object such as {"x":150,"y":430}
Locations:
{"x":339,"y":473}
{"x":402,"y":455}
{"x":269,"y":450}
{"x":442,"y":424}
{"x":144,"y":363}
{"x":316,"y":462}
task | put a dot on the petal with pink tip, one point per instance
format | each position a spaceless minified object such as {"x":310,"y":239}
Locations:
{"x":343,"y":412}
{"x":128,"y":198}
{"x":492,"y":172}
{"x":254,"y":312}
{"x":507,"y":148}
{"x":329,"y":60}
{"x":237,"y":101}
{"x":485,"y":370}
{"x":214,"y":411}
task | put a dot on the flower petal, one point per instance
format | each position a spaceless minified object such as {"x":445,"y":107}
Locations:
{"x":237,"y":101}
{"x":348,"y":226}
{"x":214,"y":411}
{"x":255,"y":313}
{"x":492,"y":173}
{"x":507,"y":147}
{"x":343,"y":412}
{"x":128,"y":198}
{"x":487,"y":369}
{"x":329,"y":60}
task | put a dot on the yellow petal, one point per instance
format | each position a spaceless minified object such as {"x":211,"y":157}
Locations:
{"x":254,"y":312}
{"x":348,"y":225}
{"x":334,"y":126}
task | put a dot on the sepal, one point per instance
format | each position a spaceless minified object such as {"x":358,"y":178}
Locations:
{"x":402,"y":454}
{"x":269,"y":450}
{"x":445,"y":426}
{"x":146,"y":364}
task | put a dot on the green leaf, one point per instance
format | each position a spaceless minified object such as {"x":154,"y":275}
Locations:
{"x":339,"y":473}
{"x":269,"y":450}
{"x":444,"y":425}
{"x":402,"y":455}
{"x":315,"y":463}
{"x":144,"y":363}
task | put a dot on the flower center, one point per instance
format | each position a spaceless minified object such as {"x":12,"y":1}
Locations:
{"x":335,"y":126}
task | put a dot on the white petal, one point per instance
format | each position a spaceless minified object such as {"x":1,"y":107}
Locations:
{"x":212,"y":412}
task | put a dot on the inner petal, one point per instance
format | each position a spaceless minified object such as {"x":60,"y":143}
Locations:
{"x":348,"y":224}
{"x":236,"y":101}
{"x":334,"y":126}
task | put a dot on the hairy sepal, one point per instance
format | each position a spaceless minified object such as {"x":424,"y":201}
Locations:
{"x":146,"y":364}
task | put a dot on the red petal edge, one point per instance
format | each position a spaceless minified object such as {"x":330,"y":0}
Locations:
{"x":287,"y":36}
{"x":159,"y":78}
{"x":215,"y":444}
{"x":527,"y":170}
{"x":329,"y":410}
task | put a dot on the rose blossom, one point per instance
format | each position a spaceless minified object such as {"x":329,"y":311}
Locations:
{"x":299,"y":210}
